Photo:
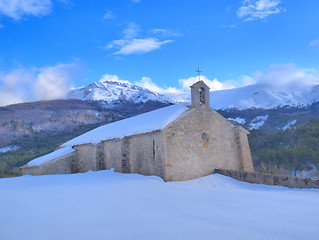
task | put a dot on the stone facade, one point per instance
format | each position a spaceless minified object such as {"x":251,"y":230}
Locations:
{"x":201,"y":141}
{"x":142,"y":153}
{"x":191,"y":146}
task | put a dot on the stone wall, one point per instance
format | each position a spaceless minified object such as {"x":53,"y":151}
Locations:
{"x":87,"y":157}
{"x":113,"y":154}
{"x":270,"y":179}
{"x":63,"y":165}
{"x":142,"y":153}
{"x":197,"y":143}
{"x":244,"y":149}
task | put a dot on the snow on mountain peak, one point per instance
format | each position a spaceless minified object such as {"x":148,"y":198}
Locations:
{"x":115,"y":81}
{"x":115,"y":91}
{"x":263,"y":96}
{"x":257,"y":96}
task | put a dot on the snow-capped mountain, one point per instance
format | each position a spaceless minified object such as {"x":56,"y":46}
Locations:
{"x":253,"y":96}
{"x":115,"y":92}
{"x":257,"y":96}
{"x":263,"y":96}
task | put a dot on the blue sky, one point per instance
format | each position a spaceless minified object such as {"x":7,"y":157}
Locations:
{"x":46,"y":46}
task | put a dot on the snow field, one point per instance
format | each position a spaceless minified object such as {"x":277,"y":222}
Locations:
{"x":109,"y":205}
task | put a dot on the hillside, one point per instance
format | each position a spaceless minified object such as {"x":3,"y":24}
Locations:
{"x":29,"y":130}
{"x":293,"y":151}
{"x":108,"y":205}
{"x":56,"y":115}
{"x":283,"y":140}
{"x":274,"y":119}
{"x":62,"y":116}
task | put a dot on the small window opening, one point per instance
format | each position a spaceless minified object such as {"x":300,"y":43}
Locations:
{"x":205,"y":137}
{"x":202,"y":96}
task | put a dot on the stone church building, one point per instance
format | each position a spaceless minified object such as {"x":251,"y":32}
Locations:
{"x":176,"y":143}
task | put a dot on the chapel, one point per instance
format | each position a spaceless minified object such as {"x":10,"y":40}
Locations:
{"x":178,"y":142}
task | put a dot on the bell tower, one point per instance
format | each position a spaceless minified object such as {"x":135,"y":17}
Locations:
{"x":200,"y":93}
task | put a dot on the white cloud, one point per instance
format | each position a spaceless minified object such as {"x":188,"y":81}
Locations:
{"x":214,"y":85}
{"x":17,"y":9}
{"x":30,"y":84}
{"x":108,"y":15}
{"x":280,"y":76}
{"x":131,"y":31}
{"x":258,"y":9}
{"x":109,"y":77}
{"x":246,"y":80}
{"x":147,"y":82}
{"x":165,"y":32}
{"x":112,"y":78}
{"x":287,"y":76}
{"x":184,"y":85}
{"x":136,"y":1}
{"x":314,"y":43}
{"x":15,"y":86}
{"x":53,"y":82}
{"x":136,"y":46}
{"x":133,"y":41}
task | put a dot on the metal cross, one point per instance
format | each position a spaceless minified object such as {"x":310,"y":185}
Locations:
{"x":198,"y":71}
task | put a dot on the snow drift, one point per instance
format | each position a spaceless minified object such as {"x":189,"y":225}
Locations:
{"x":109,"y":205}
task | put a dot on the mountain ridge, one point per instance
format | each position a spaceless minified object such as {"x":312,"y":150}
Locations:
{"x":113,"y":93}
{"x":264,"y":96}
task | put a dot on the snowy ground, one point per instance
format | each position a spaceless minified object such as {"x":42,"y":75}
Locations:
{"x":237,"y":120}
{"x":289,"y":125}
{"x":108,"y":205}
{"x":9,"y":148}
{"x":258,"y":122}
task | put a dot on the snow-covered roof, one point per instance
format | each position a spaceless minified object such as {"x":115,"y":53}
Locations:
{"x":144,"y":123}
{"x":147,"y":122}
{"x":53,"y":155}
